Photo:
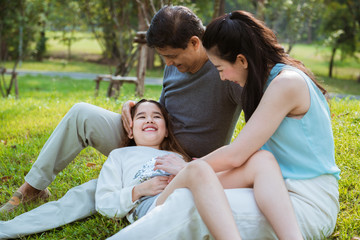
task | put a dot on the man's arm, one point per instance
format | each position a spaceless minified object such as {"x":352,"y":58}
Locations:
{"x":126,"y":116}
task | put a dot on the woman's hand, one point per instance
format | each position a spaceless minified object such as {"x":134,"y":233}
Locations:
{"x":126,"y":116}
{"x":150,"y":187}
{"x":170,"y":163}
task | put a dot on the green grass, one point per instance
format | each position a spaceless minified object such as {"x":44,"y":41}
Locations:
{"x":83,"y":44}
{"x":26,"y":124}
{"x":317,"y":59}
{"x":62,"y":65}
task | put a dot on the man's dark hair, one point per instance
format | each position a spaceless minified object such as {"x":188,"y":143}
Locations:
{"x":173,"y":26}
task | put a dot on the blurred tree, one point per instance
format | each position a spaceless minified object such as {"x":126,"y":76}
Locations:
{"x":292,"y":19}
{"x":219,"y":8}
{"x":340,"y":27}
{"x":45,"y":8}
{"x":66,"y":16}
{"x":147,"y":10}
{"x":18,"y":27}
{"x":113,"y":24}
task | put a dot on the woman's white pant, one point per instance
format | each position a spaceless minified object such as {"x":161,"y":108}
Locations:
{"x":315,"y":202}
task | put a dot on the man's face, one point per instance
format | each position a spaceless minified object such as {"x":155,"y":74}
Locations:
{"x":185,"y":60}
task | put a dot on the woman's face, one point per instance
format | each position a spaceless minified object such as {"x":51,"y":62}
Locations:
{"x":149,"y":126}
{"x":234,"y":72}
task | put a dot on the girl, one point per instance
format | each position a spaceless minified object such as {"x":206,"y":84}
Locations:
{"x":121,"y":185}
{"x":119,"y":189}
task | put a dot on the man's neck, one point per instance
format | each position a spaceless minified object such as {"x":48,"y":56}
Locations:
{"x":203,"y":58}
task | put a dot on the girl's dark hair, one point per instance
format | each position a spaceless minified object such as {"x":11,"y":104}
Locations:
{"x":241,"y":33}
{"x":170,"y":142}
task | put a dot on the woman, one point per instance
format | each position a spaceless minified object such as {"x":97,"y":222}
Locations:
{"x":287,"y":115}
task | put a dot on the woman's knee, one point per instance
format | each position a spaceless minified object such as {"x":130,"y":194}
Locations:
{"x":199,"y":170}
{"x":263,"y":160}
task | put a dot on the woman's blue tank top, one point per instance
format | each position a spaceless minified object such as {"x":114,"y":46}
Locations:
{"x":304,"y":148}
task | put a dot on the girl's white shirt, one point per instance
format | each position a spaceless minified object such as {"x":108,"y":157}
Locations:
{"x":113,"y":197}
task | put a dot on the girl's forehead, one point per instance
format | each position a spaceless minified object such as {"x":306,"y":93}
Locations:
{"x":147,"y":107}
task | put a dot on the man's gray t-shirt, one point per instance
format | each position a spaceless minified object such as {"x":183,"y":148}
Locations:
{"x":204,"y":109}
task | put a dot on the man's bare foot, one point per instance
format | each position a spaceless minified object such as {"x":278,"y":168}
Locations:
{"x":25,"y":194}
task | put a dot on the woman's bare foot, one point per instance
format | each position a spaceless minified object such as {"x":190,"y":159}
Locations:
{"x":25,"y":194}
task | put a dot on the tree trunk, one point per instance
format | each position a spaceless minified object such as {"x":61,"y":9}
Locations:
{"x":331,"y":65}
{"x":289,"y":48}
{"x":21,"y":36}
{"x":219,"y":8}
{"x":260,"y":7}
{"x":69,"y":49}
{"x":1,"y":43}
{"x":216,"y":9}
{"x":309,"y":30}
{"x":143,"y":53}
{"x":222,"y":8}
{"x":150,"y":64}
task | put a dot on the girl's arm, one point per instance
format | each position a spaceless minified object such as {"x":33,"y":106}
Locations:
{"x":112,"y":199}
{"x":287,"y":95}
{"x":114,"y":196}
{"x":150,"y":187}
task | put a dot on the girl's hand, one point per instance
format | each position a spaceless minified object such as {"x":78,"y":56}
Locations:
{"x":170,"y":163}
{"x":126,"y":116}
{"x":150,"y":187}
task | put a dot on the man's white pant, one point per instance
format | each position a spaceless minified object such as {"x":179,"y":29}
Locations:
{"x":84,"y":125}
{"x":77,"y":203}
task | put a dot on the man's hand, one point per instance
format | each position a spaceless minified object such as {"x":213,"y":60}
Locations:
{"x":170,"y":163}
{"x":126,"y":116}
{"x":150,"y":187}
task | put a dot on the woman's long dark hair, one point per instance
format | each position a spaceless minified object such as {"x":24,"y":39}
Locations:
{"x":240,"y":33}
{"x":170,"y":142}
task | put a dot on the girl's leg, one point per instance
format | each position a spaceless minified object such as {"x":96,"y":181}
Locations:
{"x":209,"y":198}
{"x":262,"y":173}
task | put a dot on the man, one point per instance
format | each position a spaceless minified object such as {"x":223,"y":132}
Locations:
{"x":204,"y":111}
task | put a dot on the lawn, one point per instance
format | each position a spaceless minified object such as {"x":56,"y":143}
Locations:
{"x":26,"y":123}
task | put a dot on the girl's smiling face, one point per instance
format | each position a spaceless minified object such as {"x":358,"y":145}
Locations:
{"x":149,"y":126}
